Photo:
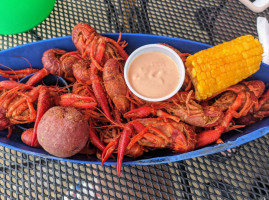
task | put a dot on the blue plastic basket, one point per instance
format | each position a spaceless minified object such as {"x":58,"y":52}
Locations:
{"x":33,"y":53}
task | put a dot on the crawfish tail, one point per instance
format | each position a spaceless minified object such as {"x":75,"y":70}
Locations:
{"x":96,"y":141}
{"x":209,"y":136}
{"x":43,"y":104}
{"x":27,"y":137}
{"x":51,"y":61}
{"x":107,"y":152}
{"x":81,"y":71}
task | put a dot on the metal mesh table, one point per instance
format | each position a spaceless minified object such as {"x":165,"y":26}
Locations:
{"x":241,"y":173}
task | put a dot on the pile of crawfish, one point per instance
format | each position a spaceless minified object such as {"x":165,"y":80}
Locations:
{"x":121,"y":123}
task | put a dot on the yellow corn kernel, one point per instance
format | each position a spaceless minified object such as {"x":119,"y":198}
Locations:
{"x":216,"y":68}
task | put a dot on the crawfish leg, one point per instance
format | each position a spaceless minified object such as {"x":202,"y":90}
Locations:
{"x":163,"y":114}
{"x":96,"y":141}
{"x":261,"y":114}
{"x":7,"y":99}
{"x":140,"y":129}
{"x":77,"y":101}
{"x":100,"y":93}
{"x":159,"y":139}
{"x":10,"y":129}
{"x":10,"y":84}
{"x":147,"y":110}
{"x":16,"y":118}
{"x":137,"y":137}
{"x":107,"y":152}
{"x":21,"y":103}
{"x":23,"y":107}
{"x":262,"y":100}
{"x":123,"y":142}
{"x":17,"y":74}
{"x":94,"y":51}
{"x":121,"y":51}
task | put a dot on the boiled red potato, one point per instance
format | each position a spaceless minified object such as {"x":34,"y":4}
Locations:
{"x":63,"y":131}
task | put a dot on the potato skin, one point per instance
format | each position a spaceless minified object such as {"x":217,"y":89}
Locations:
{"x":63,"y":131}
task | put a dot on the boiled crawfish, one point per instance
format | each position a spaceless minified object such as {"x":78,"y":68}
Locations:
{"x":182,"y":107}
{"x":237,"y":101}
{"x":145,"y":133}
{"x":258,"y":113}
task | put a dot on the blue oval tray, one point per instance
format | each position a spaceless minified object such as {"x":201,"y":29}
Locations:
{"x":33,"y":52}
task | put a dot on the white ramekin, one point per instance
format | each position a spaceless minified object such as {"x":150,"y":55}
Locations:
{"x":156,"y":48}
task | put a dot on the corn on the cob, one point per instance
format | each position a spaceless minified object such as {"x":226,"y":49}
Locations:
{"x":214,"y":69}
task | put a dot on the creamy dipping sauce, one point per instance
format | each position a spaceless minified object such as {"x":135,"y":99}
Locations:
{"x":153,"y":75}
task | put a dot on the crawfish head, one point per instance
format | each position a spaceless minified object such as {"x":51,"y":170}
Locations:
{"x":197,"y":115}
{"x":176,"y":135}
{"x":81,"y":33}
{"x":97,"y":47}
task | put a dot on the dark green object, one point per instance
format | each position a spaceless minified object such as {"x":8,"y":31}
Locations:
{"x":17,"y":16}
